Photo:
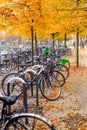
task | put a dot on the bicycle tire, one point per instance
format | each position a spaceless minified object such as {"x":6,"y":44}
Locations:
{"x":28,"y":121}
{"x":6,"y":68}
{"x":63,"y":69}
{"x":67,"y":64}
{"x":60,"y":76}
{"x":27,"y":76}
{"x":13,"y":65}
{"x":50,"y":88}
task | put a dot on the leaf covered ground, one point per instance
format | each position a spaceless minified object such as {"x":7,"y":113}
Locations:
{"x":69,"y":112}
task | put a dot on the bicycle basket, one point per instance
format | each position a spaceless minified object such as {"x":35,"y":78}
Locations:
{"x":46,"y":52}
{"x":63,"y":61}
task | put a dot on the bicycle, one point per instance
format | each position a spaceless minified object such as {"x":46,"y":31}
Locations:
{"x":61,"y":65}
{"x":35,"y":79}
{"x":21,"y":121}
{"x":58,"y":56}
{"x":5,"y":66}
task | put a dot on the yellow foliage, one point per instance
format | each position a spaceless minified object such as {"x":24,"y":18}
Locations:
{"x":46,"y":16}
{"x":4,"y":1}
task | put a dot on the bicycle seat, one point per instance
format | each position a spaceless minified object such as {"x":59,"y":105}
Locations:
{"x":10,"y":100}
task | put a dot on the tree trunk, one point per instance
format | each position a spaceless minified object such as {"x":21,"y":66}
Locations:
{"x":36,"y":51}
{"x":53,"y":40}
{"x":65,"y":39}
{"x":32,"y":45}
{"x":77,"y":41}
{"x":77,"y":49}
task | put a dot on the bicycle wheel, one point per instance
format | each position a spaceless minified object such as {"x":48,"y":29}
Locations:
{"x":59,"y":76}
{"x":68,"y":64}
{"x":50,"y":87}
{"x":13,"y":65}
{"x":5,"y":68}
{"x":5,"y":81}
{"x":63,"y":69}
{"x":28,"y":121}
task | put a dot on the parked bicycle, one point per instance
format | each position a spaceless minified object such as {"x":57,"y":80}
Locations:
{"x":21,"y":121}
{"x":5,"y":65}
{"x":48,"y":83}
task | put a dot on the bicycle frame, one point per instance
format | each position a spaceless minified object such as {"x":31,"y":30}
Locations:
{"x":8,"y":118}
{"x":5,"y":113}
{"x":37,"y":74}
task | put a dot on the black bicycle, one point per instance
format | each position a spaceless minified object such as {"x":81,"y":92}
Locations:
{"x":47,"y":82}
{"x":21,"y":121}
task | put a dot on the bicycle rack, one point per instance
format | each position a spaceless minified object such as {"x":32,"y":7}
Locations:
{"x":24,"y":95}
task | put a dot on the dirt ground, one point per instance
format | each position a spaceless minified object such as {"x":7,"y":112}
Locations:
{"x":69,"y":112}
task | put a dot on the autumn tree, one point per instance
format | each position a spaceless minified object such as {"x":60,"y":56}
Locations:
{"x":44,"y":18}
